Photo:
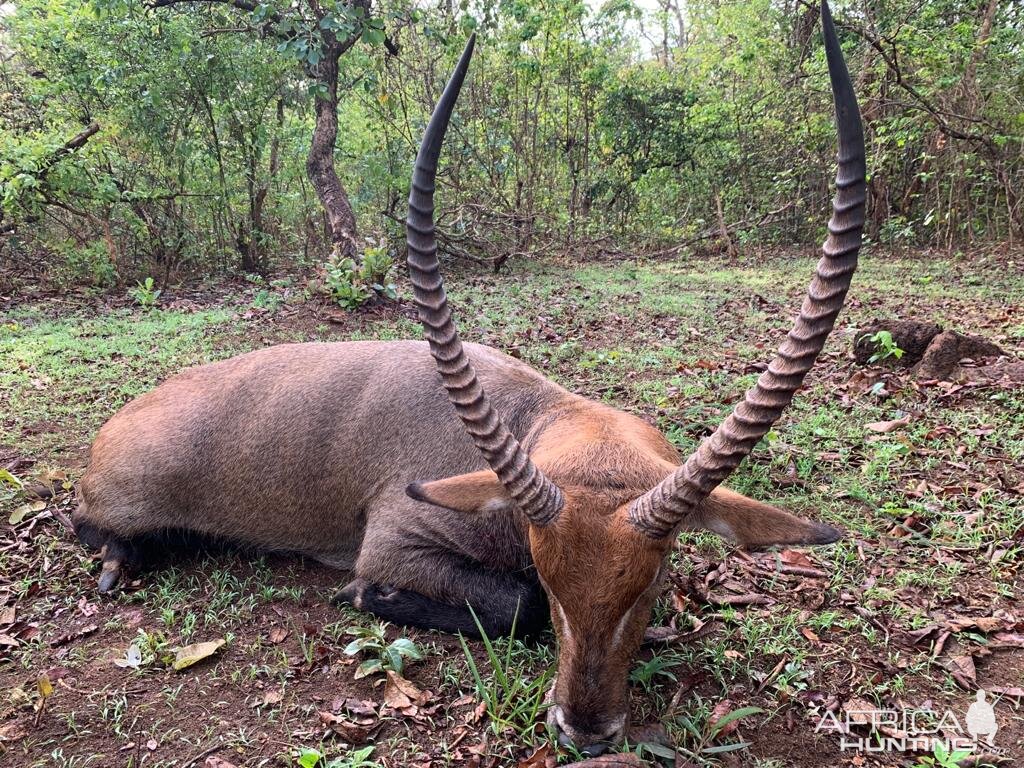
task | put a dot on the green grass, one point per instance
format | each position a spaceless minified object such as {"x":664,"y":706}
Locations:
{"x":511,"y":689}
{"x":65,"y":376}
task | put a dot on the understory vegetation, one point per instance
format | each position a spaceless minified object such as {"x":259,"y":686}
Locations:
{"x":167,"y":139}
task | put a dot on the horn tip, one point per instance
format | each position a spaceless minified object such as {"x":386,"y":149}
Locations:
{"x":467,"y":53}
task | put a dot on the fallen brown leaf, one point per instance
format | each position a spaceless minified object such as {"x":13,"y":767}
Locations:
{"x":539,"y":758}
{"x":474,"y":717}
{"x":887,"y":426}
{"x":278,"y":635}
{"x":811,"y":635}
{"x":983,"y":623}
{"x":1006,"y":640}
{"x":399,"y":692}
{"x":1017,"y":693}
{"x":653,"y":733}
{"x":187,"y":655}
{"x":963,"y":671}
{"x":794,"y":557}
{"x":360,"y":709}
{"x":270,"y":698}
{"x":858,"y":711}
{"x":77,"y":634}
{"x":722,"y":708}
{"x":350,"y":732}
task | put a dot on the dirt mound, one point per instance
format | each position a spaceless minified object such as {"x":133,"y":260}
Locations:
{"x":932,"y":353}
{"x":911,"y":336}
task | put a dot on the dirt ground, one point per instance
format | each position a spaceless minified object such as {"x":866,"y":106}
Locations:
{"x":916,"y":609}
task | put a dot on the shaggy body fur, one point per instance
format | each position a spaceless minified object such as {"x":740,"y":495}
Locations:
{"x":322,"y":449}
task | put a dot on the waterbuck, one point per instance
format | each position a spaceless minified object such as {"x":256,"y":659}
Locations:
{"x":539,"y":503}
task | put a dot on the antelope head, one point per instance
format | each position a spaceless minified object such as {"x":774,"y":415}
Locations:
{"x":600,"y":550}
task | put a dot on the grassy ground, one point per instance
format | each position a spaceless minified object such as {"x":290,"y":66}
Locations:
{"x":917,"y":607}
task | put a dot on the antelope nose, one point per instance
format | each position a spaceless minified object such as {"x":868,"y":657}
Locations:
{"x":591,"y":750}
{"x":589,"y":744}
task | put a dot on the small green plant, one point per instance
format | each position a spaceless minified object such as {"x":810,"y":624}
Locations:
{"x":643,"y":674}
{"x":384,"y":656}
{"x":147,"y":649}
{"x":357,"y":758}
{"x":10,"y":486}
{"x":942,"y":758}
{"x":706,"y":734}
{"x":352,"y":285}
{"x":268,"y":300}
{"x":596,"y":358}
{"x":376,"y":270}
{"x":513,"y":699}
{"x":885,"y":346}
{"x":145,"y":293}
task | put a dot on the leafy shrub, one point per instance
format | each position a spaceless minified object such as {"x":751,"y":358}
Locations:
{"x":89,"y":263}
{"x":352,"y":285}
{"x":145,"y":294}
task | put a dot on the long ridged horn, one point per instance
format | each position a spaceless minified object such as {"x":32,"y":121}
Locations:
{"x":661,"y":509}
{"x":539,"y":498}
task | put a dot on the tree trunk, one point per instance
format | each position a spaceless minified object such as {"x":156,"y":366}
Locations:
{"x":341,"y":220}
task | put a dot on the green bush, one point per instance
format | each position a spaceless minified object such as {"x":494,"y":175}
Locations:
{"x":353,"y":284}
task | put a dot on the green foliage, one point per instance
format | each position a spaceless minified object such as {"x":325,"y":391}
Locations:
{"x":942,"y":758}
{"x":181,"y":173}
{"x":147,"y":649}
{"x":885,"y":347}
{"x":513,"y":696}
{"x":573,"y":128}
{"x":11,"y":488}
{"x":645,"y":672}
{"x":145,"y":294}
{"x":704,"y":734}
{"x":309,"y":757}
{"x":383,"y":656}
{"x":353,"y":284}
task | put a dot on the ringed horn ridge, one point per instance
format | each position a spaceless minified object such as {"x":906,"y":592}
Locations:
{"x":539,"y":498}
{"x":668,"y":504}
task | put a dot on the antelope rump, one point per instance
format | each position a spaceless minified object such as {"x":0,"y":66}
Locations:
{"x":533,"y":503}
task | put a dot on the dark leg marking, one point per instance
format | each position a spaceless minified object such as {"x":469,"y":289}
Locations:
{"x":413,"y":609}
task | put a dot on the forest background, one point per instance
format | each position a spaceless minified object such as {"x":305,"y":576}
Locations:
{"x":177,"y":139}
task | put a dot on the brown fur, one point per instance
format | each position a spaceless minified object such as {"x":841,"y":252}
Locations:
{"x":351,"y":453}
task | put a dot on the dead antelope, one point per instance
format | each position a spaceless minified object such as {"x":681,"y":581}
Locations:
{"x":538,"y":502}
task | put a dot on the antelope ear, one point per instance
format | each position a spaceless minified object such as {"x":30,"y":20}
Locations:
{"x":755,"y":524}
{"x":474,"y":492}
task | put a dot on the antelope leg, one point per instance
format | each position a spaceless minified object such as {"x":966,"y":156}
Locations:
{"x":408,"y":607}
{"x":113,"y":554}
